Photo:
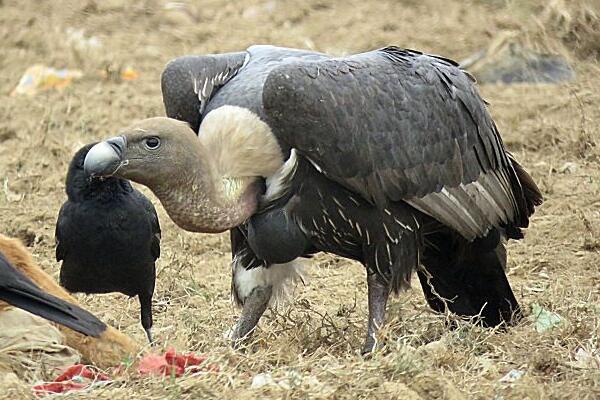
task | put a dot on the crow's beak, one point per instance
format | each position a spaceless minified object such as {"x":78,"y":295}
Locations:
{"x":105,"y":158}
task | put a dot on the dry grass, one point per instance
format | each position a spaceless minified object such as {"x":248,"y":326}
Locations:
{"x":552,"y":130}
{"x":576,"y":24}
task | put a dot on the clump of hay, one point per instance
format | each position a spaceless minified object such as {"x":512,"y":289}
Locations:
{"x":576,"y":24}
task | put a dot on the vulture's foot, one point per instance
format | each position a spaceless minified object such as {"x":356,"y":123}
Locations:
{"x":254,"y":306}
{"x":378,"y":295}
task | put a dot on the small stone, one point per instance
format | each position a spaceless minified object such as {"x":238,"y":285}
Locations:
{"x":512,"y":376}
{"x":568,"y":168}
{"x":261,"y":380}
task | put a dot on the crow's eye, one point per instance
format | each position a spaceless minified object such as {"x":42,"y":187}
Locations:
{"x":152,"y":143}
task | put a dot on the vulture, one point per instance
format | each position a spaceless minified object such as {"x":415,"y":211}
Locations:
{"x":388,"y":157}
{"x":108,"y":238}
{"x":19,"y":291}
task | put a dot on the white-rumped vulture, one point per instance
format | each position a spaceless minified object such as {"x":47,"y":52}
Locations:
{"x":389,"y":157}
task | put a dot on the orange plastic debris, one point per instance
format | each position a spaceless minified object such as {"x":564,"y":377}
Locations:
{"x":129,"y":74}
{"x":40,"y":77}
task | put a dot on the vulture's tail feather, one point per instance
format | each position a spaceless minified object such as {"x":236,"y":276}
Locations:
{"x":533,"y":195}
{"x":468,"y":279}
{"x":527,"y":195}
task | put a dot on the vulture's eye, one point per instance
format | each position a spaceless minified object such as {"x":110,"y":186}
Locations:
{"x":152,"y":143}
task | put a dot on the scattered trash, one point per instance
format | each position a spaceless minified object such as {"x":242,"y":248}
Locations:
{"x":175,"y":364}
{"x":293,"y":379}
{"x":79,"y":377}
{"x":512,"y":376}
{"x":544,"y":319}
{"x":117,"y":73}
{"x":40,"y":77}
{"x":76,"y":377}
{"x":129,"y":74}
{"x":586,"y":359}
{"x":261,"y":380}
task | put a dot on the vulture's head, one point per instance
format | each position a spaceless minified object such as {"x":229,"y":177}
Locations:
{"x":148,"y":152}
{"x":208,"y":182}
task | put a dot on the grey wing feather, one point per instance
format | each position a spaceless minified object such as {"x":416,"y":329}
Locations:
{"x":188,"y":82}
{"x":397,"y":125}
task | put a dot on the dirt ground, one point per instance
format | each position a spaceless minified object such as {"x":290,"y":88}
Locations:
{"x":311,"y":346}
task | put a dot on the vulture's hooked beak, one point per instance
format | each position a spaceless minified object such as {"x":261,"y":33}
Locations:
{"x":105,"y":158}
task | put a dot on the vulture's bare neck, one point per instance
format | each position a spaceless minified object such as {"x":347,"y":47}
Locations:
{"x":220,"y":191}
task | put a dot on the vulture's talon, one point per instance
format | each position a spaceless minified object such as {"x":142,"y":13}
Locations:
{"x":254,"y":307}
{"x":371,"y":346}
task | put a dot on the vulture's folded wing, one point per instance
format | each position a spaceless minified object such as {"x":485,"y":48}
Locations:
{"x":396,"y":125}
{"x":188,"y":82}
{"x":18,"y":290}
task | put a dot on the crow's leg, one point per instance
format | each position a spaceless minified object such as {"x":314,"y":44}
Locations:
{"x":378,"y":295}
{"x":146,"y":313}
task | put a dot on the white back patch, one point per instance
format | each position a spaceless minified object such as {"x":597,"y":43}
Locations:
{"x":283,"y":278}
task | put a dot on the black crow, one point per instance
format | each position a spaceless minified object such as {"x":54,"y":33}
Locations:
{"x":18,"y":290}
{"x":108,"y":238}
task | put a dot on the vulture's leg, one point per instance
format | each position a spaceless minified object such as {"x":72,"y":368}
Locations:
{"x":378,"y":295}
{"x":255,"y":305}
{"x":256,"y":288}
